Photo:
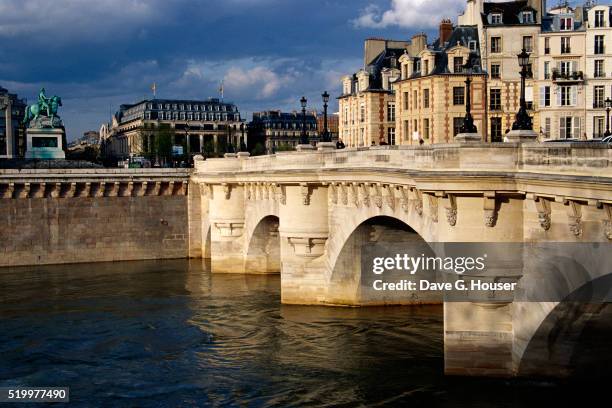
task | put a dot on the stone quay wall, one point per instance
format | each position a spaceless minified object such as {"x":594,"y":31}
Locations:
{"x":94,"y":215}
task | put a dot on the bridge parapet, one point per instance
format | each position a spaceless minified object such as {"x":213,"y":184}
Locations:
{"x":559,"y":158}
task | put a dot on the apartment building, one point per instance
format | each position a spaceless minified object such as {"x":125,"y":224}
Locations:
{"x":367,"y":105}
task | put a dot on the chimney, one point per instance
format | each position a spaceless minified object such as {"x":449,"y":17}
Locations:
{"x":446,"y":29}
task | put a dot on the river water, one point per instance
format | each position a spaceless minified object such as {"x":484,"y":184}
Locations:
{"x":170,"y":334}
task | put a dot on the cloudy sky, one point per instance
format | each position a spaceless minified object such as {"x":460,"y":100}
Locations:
{"x":97,"y":54}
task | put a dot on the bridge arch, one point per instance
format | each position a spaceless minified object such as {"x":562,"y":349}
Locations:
{"x":351,"y":279}
{"x":262,"y":254}
{"x":573,"y":336}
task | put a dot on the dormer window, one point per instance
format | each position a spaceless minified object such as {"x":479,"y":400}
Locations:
{"x":526,"y":17}
{"x":496,"y":18}
{"x":417,"y":66}
{"x":472,"y":45}
{"x":566,"y":24}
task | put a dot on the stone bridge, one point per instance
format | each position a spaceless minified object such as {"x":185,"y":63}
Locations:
{"x":306,"y":216}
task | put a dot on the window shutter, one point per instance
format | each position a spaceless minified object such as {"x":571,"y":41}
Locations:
{"x":561,"y":128}
{"x":543,"y":96}
{"x":577,"y":133}
{"x":574,"y":96}
{"x":558,"y":96}
{"x":574,"y":66}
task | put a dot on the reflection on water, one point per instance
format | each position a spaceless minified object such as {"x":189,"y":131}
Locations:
{"x":171,"y":334}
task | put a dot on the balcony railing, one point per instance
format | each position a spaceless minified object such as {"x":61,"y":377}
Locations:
{"x":599,"y":75}
{"x":574,"y":76}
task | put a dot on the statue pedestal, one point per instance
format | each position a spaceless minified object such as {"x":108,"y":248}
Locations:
{"x":304,"y":147}
{"x":326,"y":146}
{"x":468,"y":138}
{"x":521,"y":136}
{"x":46,"y":143}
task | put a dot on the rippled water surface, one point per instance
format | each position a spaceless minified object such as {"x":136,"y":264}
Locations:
{"x":157,"y":334}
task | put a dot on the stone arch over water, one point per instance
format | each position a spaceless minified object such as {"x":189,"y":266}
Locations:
{"x":351,"y":277}
{"x":263,"y":247}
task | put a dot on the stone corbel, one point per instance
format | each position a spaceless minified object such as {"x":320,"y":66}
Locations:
{"x":170,"y":190}
{"x":433,"y":207}
{"x":307,"y":247}
{"x":544,"y":212}
{"x":306,"y":192}
{"x":157,"y":188}
{"x":416,"y":198}
{"x":376,"y":194}
{"x":130,"y":188}
{"x":450,"y":206}
{"x":86,"y":190}
{"x":344,"y":193}
{"x":227,"y":190}
{"x":404,"y":197}
{"x":230,"y":229}
{"x":574,"y":217}
{"x":203,"y":190}
{"x":101,"y":189}
{"x":333,"y":193}
{"x":490,"y":209}
{"x":354,"y":192}
{"x":40,"y":191}
{"x":56,"y":190}
{"x":71,"y":191}
{"x":142,"y":191}
{"x":390,"y":196}
{"x":282,"y":194}
{"x":113,"y":189}
{"x":25,"y":191}
{"x":608,"y":221}
{"x":10,"y":189}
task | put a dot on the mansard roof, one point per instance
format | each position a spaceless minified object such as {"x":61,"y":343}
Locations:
{"x":510,"y":12}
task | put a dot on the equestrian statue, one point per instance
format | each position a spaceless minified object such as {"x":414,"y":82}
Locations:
{"x":43,"y":114}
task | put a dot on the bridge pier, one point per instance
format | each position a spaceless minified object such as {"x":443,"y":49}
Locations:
{"x":304,"y":230}
{"x":227,"y":219}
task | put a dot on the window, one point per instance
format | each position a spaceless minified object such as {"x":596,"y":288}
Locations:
{"x":530,"y":71}
{"x":496,"y":130}
{"x":547,"y":126}
{"x":565,"y":45}
{"x":547,"y":45}
{"x":599,"y":128}
{"x":599,"y":18}
{"x":391,"y":112}
{"x":599,"y":44}
{"x":496,"y":18}
{"x":598,"y":96}
{"x":406,"y":101}
{"x":496,"y":44}
{"x":566,"y":68}
{"x":426,"y":129}
{"x":566,"y":24}
{"x":362,"y":113}
{"x":457,"y":125}
{"x":426,"y":66}
{"x":546,"y":69}
{"x":528,"y":43}
{"x":459,"y":95}
{"x":545,"y":96}
{"x":526,"y":17}
{"x":599,"y":71}
{"x":391,"y":135}
{"x":495,"y":99}
{"x":569,"y":127}
{"x":495,"y":71}
{"x":415,"y":100}
{"x":458,"y":64}
{"x":566,"y":96}
{"x":426,"y":98}
{"x":472,"y":45}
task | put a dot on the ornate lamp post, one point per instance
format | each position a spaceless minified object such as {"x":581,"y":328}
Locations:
{"x":523,"y":120}
{"x":326,"y":136}
{"x":608,"y":108}
{"x":468,"y":122}
{"x":304,"y":138}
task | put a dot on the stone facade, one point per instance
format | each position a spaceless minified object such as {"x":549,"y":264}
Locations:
{"x":71,"y":216}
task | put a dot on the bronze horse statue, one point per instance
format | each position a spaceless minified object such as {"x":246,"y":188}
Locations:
{"x":35,"y":111}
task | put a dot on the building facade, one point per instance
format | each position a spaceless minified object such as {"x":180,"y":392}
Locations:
{"x":277,"y":131}
{"x":367,"y":105}
{"x":432,"y":93}
{"x":333,"y":121}
{"x":12,"y":134}
{"x":208,"y":126}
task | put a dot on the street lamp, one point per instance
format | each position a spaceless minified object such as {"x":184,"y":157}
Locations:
{"x":304,"y":138}
{"x":523,"y":120}
{"x":326,"y":136}
{"x":608,"y":108}
{"x":468,"y":122}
